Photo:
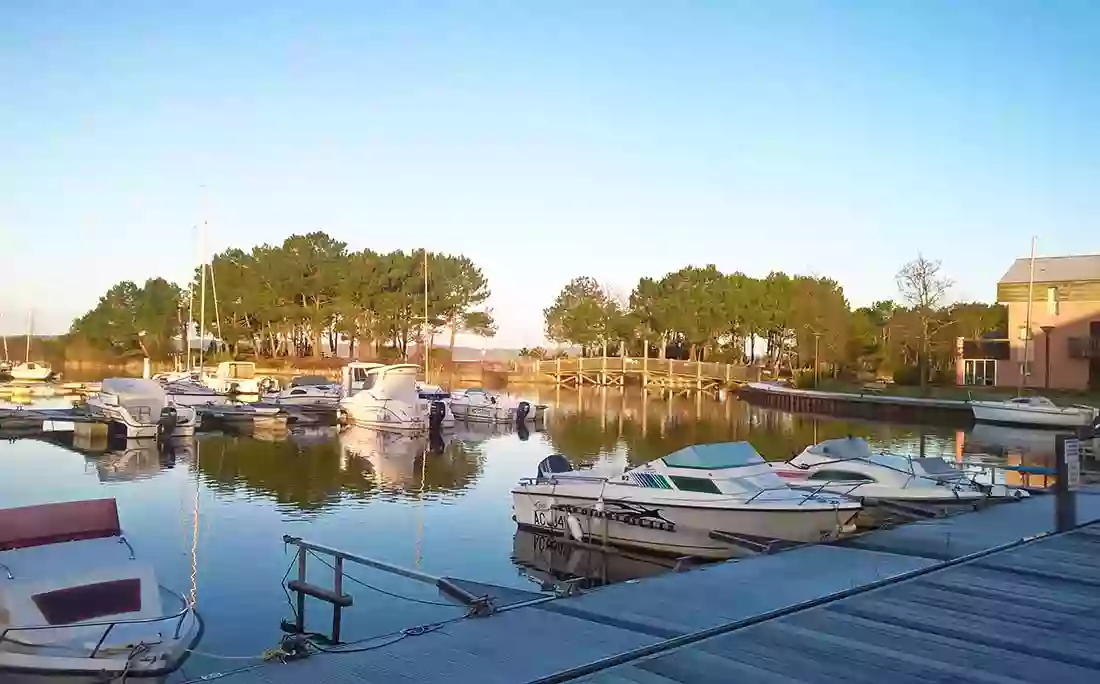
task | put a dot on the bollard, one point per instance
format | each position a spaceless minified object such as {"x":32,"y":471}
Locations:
{"x":145,"y":370}
{"x":1067,"y":454}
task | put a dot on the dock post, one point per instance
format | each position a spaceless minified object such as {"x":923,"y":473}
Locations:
{"x":338,"y":589}
{"x":1067,"y":454}
{"x":300,"y":621}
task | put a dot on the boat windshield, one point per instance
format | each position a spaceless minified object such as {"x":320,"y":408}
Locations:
{"x":714,"y":456}
{"x":308,"y":380}
{"x":843,"y":449}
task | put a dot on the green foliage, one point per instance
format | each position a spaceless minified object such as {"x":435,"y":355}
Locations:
{"x":299,"y":298}
{"x":129,"y":318}
{"x":701,"y":313}
{"x":908,"y":375}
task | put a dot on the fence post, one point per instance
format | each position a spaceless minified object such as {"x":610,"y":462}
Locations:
{"x":1067,"y":453}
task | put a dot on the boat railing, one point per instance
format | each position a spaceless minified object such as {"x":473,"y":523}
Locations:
{"x":179,"y":617}
{"x":554,"y":479}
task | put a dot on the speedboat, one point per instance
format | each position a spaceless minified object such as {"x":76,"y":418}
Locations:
{"x":141,"y":408}
{"x":309,"y":390}
{"x":847,"y":466}
{"x":1033,"y":411}
{"x":478,"y":405}
{"x":698,"y":501}
{"x":387,"y":399}
{"x":77,"y":606}
{"x":31,"y":371}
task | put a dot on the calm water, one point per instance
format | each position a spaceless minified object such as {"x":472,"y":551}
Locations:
{"x":211,"y":515}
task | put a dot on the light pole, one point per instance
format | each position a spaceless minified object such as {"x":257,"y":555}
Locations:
{"x":1046,"y":354}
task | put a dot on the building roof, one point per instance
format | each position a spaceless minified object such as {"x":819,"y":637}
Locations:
{"x":1054,"y":269}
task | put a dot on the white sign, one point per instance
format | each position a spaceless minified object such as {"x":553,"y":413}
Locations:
{"x":1073,"y":464}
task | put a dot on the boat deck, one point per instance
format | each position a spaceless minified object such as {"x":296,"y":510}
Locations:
{"x":981,"y":597}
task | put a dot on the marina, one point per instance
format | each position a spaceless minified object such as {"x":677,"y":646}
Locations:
{"x":944,"y":589}
{"x":438,"y":506}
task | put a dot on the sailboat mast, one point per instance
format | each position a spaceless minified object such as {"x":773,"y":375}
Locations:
{"x":427,"y":341}
{"x":1025,"y":369}
{"x":202,"y":296}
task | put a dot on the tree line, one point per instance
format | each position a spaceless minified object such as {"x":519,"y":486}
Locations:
{"x":780,"y":321}
{"x":298,"y":298}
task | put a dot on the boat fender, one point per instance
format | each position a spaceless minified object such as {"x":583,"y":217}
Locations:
{"x":166,"y":425}
{"x":522,"y":411}
{"x":574,"y":527}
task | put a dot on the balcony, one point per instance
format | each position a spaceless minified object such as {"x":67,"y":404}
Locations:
{"x":1084,"y":347}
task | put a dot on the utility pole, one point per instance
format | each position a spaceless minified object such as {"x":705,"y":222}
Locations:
{"x":427,"y":341}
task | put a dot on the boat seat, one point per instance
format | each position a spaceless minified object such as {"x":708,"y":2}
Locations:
{"x":55,"y":523}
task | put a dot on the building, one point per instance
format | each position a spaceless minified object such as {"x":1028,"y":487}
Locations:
{"x":1063,"y":343}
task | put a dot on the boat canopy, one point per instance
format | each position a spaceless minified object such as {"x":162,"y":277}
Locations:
{"x":1031,"y":401}
{"x":714,"y":456}
{"x":239,"y":370}
{"x":142,"y":398}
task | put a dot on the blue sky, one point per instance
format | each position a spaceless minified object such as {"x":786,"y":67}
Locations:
{"x":546,"y":139}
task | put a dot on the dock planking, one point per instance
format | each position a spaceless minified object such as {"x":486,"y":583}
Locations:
{"x":812,"y":614}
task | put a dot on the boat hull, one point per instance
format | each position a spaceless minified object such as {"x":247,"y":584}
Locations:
{"x":1060,"y":418}
{"x":676,"y":530}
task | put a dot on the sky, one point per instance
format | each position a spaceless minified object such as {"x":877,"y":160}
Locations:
{"x":545,"y":140}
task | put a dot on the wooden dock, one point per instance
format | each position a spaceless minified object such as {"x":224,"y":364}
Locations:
{"x":615,"y":371}
{"x":871,"y":404}
{"x":990,"y":596}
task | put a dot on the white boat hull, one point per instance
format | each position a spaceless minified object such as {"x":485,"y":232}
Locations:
{"x":380,"y":417}
{"x":135,"y":429}
{"x":1068,"y":417}
{"x":676,"y":530}
{"x":31,"y":375}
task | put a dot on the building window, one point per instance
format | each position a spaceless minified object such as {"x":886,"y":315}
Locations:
{"x":1052,"y":301}
{"x":981,"y":372}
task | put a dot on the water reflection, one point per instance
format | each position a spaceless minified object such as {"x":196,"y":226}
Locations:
{"x":554,"y":563}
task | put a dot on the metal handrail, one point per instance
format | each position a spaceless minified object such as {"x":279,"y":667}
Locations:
{"x":440,"y":582}
{"x":110,"y":625}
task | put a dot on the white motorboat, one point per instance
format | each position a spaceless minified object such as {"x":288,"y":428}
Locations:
{"x":478,"y":405}
{"x":141,"y":408}
{"x":694,"y":502}
{"x":386,"y":398}
{"x":1033,"y":411}
{"x":233,"y":377}
{"x":847,"y":466}
{"x":31,"y":371}
{"x":77,"y":606}
{"x":309,"y":390}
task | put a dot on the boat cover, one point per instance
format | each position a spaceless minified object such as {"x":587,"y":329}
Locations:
{"x":714,"y":456}
{"x":144,"y":399}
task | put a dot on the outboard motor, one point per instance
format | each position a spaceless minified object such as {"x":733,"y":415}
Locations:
{"x":268,"y":385}
{"x":166,"y":425}
{"x":522,"y":411}
{"x":554,"y":463}
{"x":437,"y":411}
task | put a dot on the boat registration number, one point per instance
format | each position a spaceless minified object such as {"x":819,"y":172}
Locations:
{"x":553,"y":520}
